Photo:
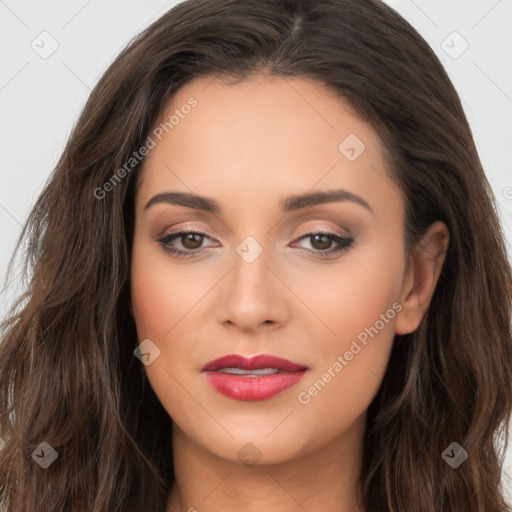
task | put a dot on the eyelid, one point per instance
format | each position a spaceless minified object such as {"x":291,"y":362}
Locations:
{"x":189,"y":228}
{"x":323,"y":230}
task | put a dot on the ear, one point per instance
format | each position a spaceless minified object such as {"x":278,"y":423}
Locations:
{"x":422,"y":276}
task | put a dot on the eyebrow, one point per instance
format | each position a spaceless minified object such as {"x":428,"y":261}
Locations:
{"x":292,"y":203}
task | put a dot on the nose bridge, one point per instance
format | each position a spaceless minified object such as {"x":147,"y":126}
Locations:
{"x":250,"y":273}
{"x":253,"y":295}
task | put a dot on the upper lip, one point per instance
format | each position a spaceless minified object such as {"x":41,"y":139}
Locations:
{"x":252,"y":363}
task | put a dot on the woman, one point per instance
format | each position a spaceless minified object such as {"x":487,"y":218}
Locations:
{"x":267,"y":274}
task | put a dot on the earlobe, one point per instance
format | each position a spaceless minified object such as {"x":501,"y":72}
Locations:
{"x":419,"y":286}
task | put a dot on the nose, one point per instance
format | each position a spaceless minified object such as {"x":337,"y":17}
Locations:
{"x":254,"y":296}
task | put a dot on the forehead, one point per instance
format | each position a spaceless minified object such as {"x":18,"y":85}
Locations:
{"x":264,"y":135}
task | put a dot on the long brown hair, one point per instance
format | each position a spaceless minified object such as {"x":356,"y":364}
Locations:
{"x":68,"y":373}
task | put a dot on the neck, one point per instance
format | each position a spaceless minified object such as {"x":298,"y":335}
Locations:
{"x":324,"y":479}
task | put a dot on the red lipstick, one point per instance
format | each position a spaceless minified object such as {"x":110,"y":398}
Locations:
{"x":252,"y":379}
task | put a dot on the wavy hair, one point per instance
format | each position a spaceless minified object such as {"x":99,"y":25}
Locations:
{"x":68,"y":372}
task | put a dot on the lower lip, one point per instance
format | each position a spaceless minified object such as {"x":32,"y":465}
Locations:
{"x":252,"y":389}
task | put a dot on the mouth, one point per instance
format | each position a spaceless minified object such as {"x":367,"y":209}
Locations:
{"x":252,"y":379}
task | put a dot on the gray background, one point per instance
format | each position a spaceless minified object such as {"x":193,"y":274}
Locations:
{"x":40,"y":98}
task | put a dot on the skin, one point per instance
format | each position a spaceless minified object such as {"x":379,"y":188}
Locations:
{"x":248,"y":147}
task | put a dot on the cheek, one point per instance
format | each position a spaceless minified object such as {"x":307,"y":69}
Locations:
{"x":351,"y":295}
{"x":359,"y":306}
{"x":164,"y":296}
{"x":347,"y":377}
{"x":362,"y":299}
{"x":160,"y":301}
{"x":162,"y":293}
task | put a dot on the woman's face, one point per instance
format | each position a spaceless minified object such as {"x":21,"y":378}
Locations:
{"x":257,"y":280}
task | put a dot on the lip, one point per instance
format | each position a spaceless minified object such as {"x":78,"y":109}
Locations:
{"x":252,"y":363}
{"x":251,"y":388}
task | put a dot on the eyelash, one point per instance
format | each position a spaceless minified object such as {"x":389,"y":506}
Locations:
{"x":345,"y":243}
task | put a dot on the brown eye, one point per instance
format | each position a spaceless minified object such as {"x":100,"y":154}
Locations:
{"x":184,"y":243}
{"x":321,"y":242}
{"x":326,"y":244}
{"x":192,"y":240}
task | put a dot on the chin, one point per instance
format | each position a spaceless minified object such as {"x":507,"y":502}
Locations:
{"x":251,"y":447}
